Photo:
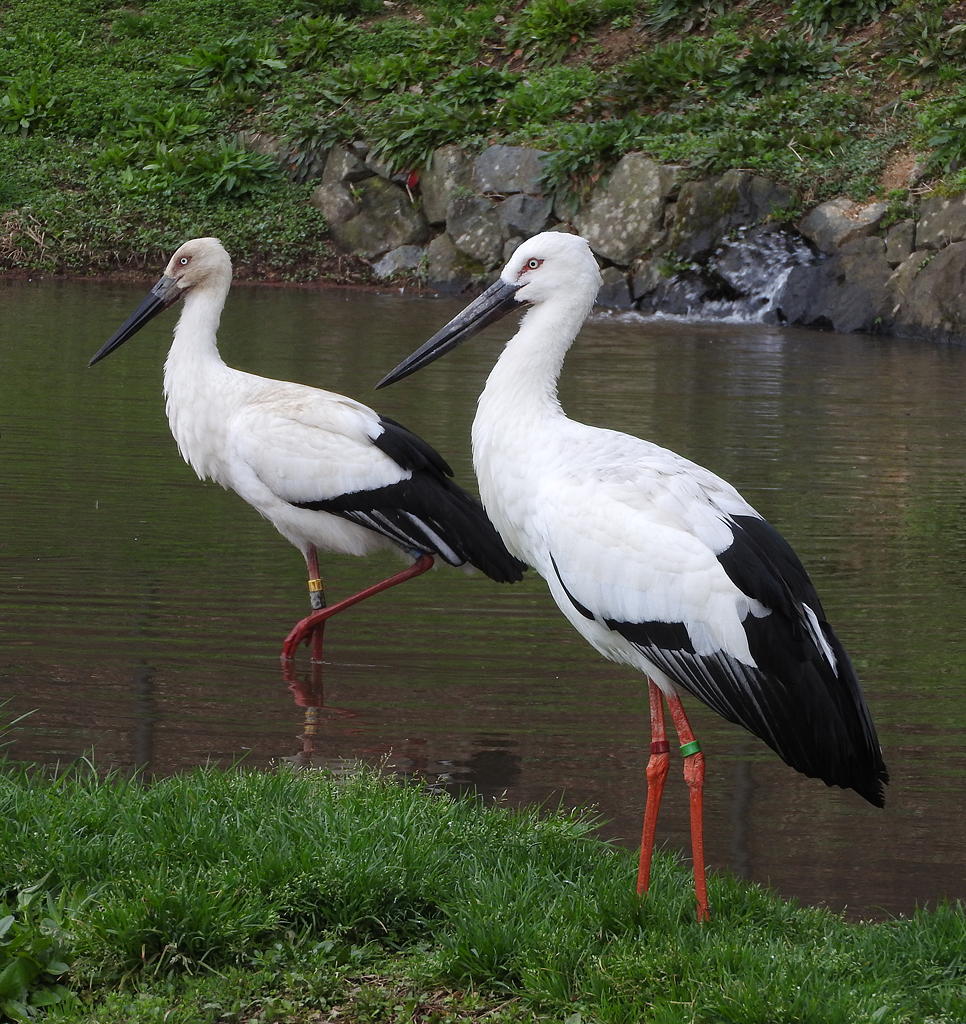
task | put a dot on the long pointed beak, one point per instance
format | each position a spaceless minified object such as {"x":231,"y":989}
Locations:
{"x":162,"y":295}
{"x":495,"y":302}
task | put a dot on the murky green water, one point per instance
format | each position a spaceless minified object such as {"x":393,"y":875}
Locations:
{"x":142,"y":611}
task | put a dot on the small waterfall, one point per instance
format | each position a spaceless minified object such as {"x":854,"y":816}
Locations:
{"x":742,"y":280}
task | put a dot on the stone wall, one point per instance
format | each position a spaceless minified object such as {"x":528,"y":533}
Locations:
{"x":664,"y":243}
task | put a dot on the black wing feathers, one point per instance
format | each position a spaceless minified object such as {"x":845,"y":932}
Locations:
{"x":813,"y":715}
{"x":427,"y":513}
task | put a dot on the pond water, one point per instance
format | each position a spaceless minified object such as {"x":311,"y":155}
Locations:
{"x":141,"y":612}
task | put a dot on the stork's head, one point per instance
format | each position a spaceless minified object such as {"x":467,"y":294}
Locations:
{"x":550,"y":264}
{"x":198,"y":263}
{"x":549,"y":267}
{"x":201,"y":263}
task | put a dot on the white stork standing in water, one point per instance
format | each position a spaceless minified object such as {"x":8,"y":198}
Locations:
{"x":329,"y":472}
{"x":656,"y":562}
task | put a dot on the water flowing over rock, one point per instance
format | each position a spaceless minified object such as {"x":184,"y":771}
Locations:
{"x":742,"y":279}
{"x":707,"y":211}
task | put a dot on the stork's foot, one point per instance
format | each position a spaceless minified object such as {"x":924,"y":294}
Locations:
{"x":307,"y":631}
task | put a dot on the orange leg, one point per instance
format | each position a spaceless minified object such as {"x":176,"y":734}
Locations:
{"x":657,"y":768}
{"x":313,"y":624}
{"x":694,"y":777}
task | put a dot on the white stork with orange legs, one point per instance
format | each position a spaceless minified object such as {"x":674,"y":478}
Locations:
{"x":657,"y":562}
{"x":327,"y":471}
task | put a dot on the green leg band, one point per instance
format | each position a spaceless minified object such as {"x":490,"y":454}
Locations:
{"x":687,"y":749}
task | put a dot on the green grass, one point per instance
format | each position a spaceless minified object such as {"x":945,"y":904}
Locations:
{"x":119,"y":122}
{"x":241,"y":896}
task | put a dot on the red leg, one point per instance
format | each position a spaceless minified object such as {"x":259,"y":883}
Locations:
{"x":316,"y":598}
{"x":315,"y":621}
{"x":657,"y":768}
{"x":694,"y":777}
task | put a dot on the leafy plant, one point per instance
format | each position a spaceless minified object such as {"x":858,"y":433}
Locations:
{"x":546,"y":97}
{"x":822,"y":13}
{"x":779,"y":60}
{"x":28,"y":102}
{"x":169,"y":123}
{"x":475,"y":86}
{"x":34,"y":940}
{"x":236,"y":69}
{"x":315,"y":38}
{"x":674,"y":68}
{"x":545,"y":30}
{"x":224,"y":170}
{"x":943,"y":127}
{"x":370,"y":78}
{"x":133,"y":24}
{"x":684,"y":15}
{"x":925,"y":41}
{"x":585,"y":150}
{"x":405,"y":132}
{"x":346,"y":8}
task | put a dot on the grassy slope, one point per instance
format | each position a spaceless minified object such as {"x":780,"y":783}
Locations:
{"x":117,"y":121}
{"x":244,"y":896}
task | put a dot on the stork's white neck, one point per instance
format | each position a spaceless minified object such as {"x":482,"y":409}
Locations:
{"x":523,"y":384}
{"x":516,"y":431}
{"x":194,"y":393}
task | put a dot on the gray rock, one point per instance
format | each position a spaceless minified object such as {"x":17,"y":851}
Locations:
{"x":523,"y":215}
{"x":382,"y":168}
{"x":928,"y":293}
{"x":474,"y":224}
{"x":942,"y":220}
{"x":405,"y":258}
{"x":615,"y":292}
{"x":566,"y":206}
{"x":647,"y":276}
{"x":708,"y":210}
{"x":510,"y":247}
{"x":343,"y":165}
{"x":450,"y":171}
{"x":625,"y":215}
{"x":900,"y":241}
{"x":505,"y":169}
{"x":448,"y":269}
{"x":846,"y":292}
{"x":336,"y":202}
{"x":371,"y":217}
{"x":840,"y":220}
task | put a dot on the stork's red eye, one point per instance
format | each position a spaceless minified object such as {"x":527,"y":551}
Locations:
{"x":531,"y":264}
{"x":184,"y":260}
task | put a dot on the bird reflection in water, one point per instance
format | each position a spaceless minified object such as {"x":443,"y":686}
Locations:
{"x":488,"y":772}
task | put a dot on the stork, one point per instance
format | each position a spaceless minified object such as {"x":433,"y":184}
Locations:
{"x":327,"y":471}
{"x":657,"y":562}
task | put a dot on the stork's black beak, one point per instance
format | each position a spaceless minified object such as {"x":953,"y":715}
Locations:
{"x":162,"y":295}
{"x":495,"y":302}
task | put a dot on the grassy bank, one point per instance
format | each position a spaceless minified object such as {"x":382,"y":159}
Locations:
{"x":119,"y":121}
{"x":243,"y":896}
